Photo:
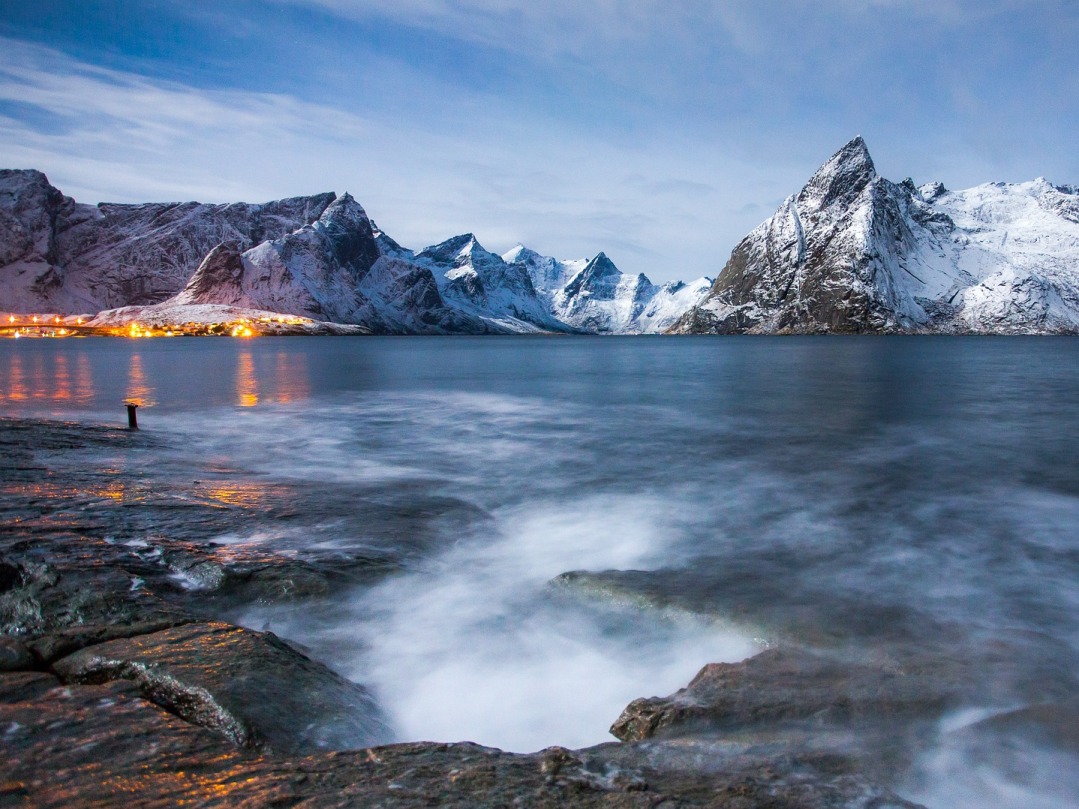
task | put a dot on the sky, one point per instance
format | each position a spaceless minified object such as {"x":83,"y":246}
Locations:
{"x":658,"y":132}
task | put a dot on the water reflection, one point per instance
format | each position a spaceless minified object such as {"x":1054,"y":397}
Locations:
{"x":244,"y":494}
{"x":247,"y":388}
{"x":16,"y":388}
{"x":84,"y":379}
{"x":139,"y":390}
{"x":291,"y":378}
{"x":62,"y":380}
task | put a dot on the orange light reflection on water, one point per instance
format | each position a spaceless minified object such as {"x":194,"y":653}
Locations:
{"x":84,"y":379}
{"x":247,"y":388}
{"x":62,"y":380}
{"x":235,"y":493}
{"x":138,"y":389}
{"x":290,"y":378}
{"x":16,"y":391}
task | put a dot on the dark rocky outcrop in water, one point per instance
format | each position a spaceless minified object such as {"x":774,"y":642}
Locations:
{"x":785,"y":685}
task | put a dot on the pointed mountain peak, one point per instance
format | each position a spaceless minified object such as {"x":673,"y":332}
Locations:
{"x":841,"y":179}
{"x":519,"y":254}
{"x":344,"y":211}
{"x":601,"y":266}
{"x":454,"y":250}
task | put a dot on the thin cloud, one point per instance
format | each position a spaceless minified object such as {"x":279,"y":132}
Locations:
{"x":129,"y":138}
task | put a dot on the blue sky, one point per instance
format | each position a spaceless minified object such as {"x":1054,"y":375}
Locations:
{"x":658,"y":132}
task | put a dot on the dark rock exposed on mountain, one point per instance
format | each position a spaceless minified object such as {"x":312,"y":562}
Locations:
{"x":853,"y":252}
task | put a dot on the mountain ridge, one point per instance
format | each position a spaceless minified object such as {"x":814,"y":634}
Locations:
{"x":853,"y":252}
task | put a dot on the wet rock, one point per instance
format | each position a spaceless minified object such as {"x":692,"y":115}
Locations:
{"x":53,"y":596}
{"x":780,"y":685}
{"x":50,"y":647}
{"x":25,"y":685}
{"x":14,"y":655}
{"x":249,"y":686}
{"x":254,"y":577}
{"x":775,"y":610}
{"x":1055,"y":726}
{"x":104,"y":745}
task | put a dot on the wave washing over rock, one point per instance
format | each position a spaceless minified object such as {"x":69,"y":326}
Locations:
{"x":115,"y":679}
{"x":853,"y":252}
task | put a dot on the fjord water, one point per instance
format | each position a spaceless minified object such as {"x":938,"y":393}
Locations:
{"x":871,"y":494}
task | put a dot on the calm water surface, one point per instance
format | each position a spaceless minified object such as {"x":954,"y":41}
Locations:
{"x":868,"y":493}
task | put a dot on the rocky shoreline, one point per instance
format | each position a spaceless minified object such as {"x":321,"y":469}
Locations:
{"x":119,"y":682}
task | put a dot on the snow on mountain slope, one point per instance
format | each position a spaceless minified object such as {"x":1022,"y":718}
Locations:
{"x":595,"y":296}
{"x":339,"y":268}
{"x":1020,"y":245}
{"x":548,"y":274}
{"x":854,"y":252}
{"x":59,"y":255}
{"x":480,"y":283}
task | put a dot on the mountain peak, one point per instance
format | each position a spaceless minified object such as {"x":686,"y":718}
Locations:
{"x":601,"y":266}
{"x":456,"y":250}
{"x":841,"y":178}
{"x":519,"y":254}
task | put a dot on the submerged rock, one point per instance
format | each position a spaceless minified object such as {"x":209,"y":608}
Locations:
{"x":249,"y":686}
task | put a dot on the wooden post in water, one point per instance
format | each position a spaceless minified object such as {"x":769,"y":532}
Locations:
{"x":132,"y":420}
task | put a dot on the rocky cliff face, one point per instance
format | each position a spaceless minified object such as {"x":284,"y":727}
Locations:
{"x":60,"y":256}
{"x":853,"y":252}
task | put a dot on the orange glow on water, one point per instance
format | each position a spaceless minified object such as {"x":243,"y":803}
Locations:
{"x":247,"y":389}
{"x":290,"y":378}
{"x":62,"y":379}
{"x":235,"y":494}
{"x":84,"y":379}
{"x":138,"y":389}
{"x":16,"y":384}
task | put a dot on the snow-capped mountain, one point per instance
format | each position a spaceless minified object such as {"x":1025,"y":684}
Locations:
{"x":317,"y":257}
{"x":595,"y":296}
{"x":336,"y":269}
{"x":479,"y":282}
{"x":854,"y":252}
{"x":57,"y":255}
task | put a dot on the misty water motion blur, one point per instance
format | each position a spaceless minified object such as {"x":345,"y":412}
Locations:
{"x":897,"y":498}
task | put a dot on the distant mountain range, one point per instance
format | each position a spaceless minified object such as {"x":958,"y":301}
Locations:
{"x":851,"y":252}
{"x":318,"y":257}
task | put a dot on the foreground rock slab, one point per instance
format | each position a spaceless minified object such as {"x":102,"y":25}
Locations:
{"x":249,"y":686}
{"x":103,"y":745}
